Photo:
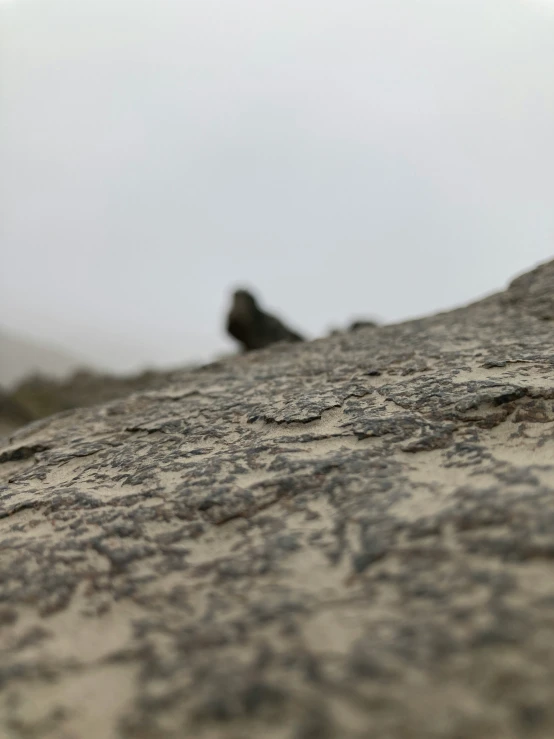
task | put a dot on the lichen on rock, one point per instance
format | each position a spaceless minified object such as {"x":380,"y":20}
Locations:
{"x":349,"y":538}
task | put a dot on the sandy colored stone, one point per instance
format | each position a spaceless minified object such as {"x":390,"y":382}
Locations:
{"x":351,"y":538}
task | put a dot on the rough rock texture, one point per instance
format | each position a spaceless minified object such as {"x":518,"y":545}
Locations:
{"x":347,"y":539}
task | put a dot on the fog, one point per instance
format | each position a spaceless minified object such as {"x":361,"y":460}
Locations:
{"x":343,"y":159}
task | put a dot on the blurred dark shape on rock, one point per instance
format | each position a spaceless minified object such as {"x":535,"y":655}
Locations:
{"x":362,"y":323}
{"x":252,"y":327}
{"x":355,"y":326}
{"x":38,"y":396}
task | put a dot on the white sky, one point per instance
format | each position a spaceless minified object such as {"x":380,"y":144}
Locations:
{"x":347,"y":158}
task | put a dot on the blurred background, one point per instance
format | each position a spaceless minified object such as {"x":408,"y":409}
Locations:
{"x":343,"y":159}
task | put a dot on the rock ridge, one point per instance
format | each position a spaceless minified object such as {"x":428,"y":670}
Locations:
{"x":348,"y":538}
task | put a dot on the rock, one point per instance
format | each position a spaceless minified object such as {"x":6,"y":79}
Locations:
{"x":349,"y":538}
{"x":254,"y":329}
{"x":532,"y":292}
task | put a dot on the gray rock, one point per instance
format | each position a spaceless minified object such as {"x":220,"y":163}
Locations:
{"x":351,"y":538}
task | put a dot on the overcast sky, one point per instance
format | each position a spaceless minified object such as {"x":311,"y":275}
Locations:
{"x":349,"y":158}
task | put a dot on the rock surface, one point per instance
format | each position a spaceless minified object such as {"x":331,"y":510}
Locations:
{"x":351,"y":538}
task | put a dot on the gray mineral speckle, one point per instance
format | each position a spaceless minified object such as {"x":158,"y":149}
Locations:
{"x":351,"y":538}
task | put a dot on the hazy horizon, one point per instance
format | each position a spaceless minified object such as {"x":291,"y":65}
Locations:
{"x":386,"y":160}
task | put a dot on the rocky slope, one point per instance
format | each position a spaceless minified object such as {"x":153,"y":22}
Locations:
{"x":350,"y":538}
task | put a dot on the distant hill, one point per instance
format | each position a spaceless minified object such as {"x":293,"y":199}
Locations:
{"x":20,"y":357}
{"x":37,"y":380}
